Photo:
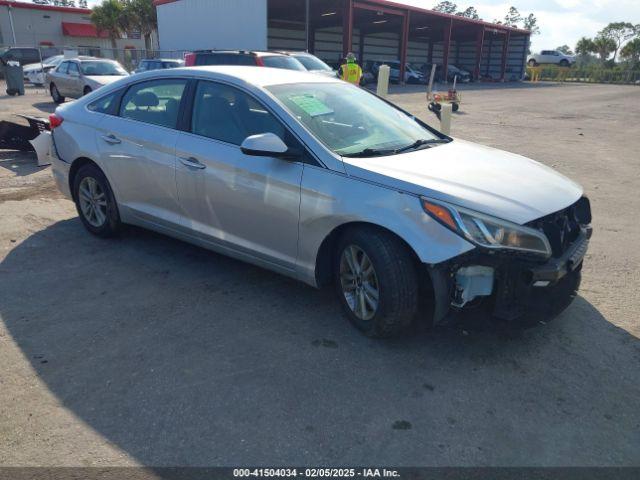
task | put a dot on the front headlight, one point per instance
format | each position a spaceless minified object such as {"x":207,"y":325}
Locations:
{"x":487,"y":231}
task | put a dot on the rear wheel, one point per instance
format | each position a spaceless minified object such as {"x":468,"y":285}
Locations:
{"x":376,"y":281}
{"x":95,"y":202}
{"x":87,"y":91}
{"x":55,"y":94}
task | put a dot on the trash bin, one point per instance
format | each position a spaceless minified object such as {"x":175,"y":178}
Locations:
{"x":13,"y":75}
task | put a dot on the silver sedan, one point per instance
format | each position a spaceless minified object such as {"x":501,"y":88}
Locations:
{"x":76,"y":77}
{"x":322,"y":181}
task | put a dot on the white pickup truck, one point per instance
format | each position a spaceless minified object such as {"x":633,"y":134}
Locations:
{"x":550,"y":56}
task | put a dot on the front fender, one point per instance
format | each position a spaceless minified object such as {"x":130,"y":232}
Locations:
{"x":330,"y":200}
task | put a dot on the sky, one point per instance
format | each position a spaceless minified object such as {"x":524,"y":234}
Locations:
{"x":562,"y":22}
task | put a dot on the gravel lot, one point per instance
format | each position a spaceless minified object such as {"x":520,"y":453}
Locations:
{"x":145,"y":350}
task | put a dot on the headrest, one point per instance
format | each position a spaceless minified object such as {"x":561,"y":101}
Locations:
{"x":146,"y":99}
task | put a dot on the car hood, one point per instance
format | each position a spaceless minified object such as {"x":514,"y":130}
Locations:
{"x":484,"y":179}
{"x":104,"y":79}
{"x":33,"y":66}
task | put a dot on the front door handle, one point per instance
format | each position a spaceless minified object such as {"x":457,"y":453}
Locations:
{"x":192,"y":162}
{"x":111,"y":138}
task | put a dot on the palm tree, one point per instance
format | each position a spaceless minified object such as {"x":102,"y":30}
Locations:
{"x":604,"y":46}
{"x":141,"y":15}
{"x":109,"y":17}
{"x":631,"y":51}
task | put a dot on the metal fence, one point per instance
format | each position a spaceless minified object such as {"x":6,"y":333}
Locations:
{"x":591,"y":74}
{"x":128,"y":57}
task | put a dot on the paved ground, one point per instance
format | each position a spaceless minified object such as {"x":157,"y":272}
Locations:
{"x":145,"y":350}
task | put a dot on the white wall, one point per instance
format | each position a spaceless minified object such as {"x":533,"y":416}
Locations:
{"x":204,"y":24}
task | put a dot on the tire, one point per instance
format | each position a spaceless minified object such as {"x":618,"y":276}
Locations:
{"x":564,"y":63}
{"x":394,"y":281}
{"x":455,"y":107}
{"x":102,"y":219}
{"x":86,"y":91}
{"x":532,"y":63}
{"x":55,"y":94}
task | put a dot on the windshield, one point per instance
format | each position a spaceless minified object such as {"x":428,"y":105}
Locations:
{"x":349,"y":120}
{"x":281,"y":61}
{"x":101,"y":68}
{"x":312,"y":63}
{"x":55,"y":60}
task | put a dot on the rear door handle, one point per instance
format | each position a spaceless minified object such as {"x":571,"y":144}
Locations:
{"x":112,"y":139}
{"x":192,"y":162}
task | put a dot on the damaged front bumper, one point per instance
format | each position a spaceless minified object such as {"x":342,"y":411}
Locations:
{"x":509,"y":287}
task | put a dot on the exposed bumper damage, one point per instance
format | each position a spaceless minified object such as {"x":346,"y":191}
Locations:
{"x":516,"y":288}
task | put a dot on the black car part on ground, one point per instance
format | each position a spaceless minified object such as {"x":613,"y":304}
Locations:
{"x":526,"y":290}
{"x":14,"y":136}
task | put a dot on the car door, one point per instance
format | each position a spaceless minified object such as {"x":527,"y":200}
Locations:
{"x":59,"y":78}
{"x":74,"y":81}
{"x":248,"y":205}
{"x":137,"y":147}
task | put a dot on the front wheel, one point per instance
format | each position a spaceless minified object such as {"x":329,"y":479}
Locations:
{"x":55,"y":94}
{"x":95,"y":202}
{"x":377,"y":282}
{"x":564,"y":63}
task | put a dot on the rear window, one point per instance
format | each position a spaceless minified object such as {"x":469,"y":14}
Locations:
{"x":224,"y":59}
{"x":281,"y":61}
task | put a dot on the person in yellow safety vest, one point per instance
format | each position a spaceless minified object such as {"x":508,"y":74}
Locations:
{"x":351,"y":71}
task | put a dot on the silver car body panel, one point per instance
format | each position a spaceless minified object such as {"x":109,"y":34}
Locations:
{"x":277,"y":213}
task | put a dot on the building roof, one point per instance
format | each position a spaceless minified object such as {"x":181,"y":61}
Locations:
{"x":35,"y":6}
{"x":72,"y":29}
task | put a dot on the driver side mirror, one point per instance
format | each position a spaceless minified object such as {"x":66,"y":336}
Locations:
{"x":267,"y":145}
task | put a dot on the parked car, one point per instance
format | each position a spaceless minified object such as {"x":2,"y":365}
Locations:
{"x":243,"y":57}
{"x":35,"y":73}
{"x":372,"y":67}
{"x":23,"y":56}
{"x":323,"y":181}
{"x":464,"y":76}
{"x":79,"y":76}
{"x":313,"y":64}
{"x":158,"y":64}
{"x":551,"y":57}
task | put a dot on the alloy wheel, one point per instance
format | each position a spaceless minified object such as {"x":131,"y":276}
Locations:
{"x":93,"y":202}
{"x":359,"y":282}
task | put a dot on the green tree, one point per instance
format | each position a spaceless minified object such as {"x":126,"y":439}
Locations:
{"x":585,"y":47}
{"x":631,"y":51}
{"x":531,"y":23}
{"x":618,"y":32}
{"x":141,"y":15}
{"x":446,"y":7}
{"x":566,"y":49}
{"x":513,"y":17}
{"x":470,"y":12}
{"x":603,"y":47}
{"x":109,"y":17}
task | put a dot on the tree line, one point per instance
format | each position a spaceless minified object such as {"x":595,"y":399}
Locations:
{"x":512,"y":18}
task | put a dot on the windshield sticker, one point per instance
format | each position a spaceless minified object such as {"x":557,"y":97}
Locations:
{"x":311,"y":105}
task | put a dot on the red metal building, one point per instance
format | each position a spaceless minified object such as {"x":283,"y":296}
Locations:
{"x":376,"y":30}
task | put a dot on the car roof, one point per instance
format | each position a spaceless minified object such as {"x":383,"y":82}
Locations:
{"x":259,"y":76}
{"x":162,"y":60}
{"x":261,"y":53}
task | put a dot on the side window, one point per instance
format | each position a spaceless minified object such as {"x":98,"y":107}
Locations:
{"x":225,"y":113}
{"x":63,"y":68}
{"x":73,"y":69}
{"x":156,"y":102}
{"x":106,"y":104}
